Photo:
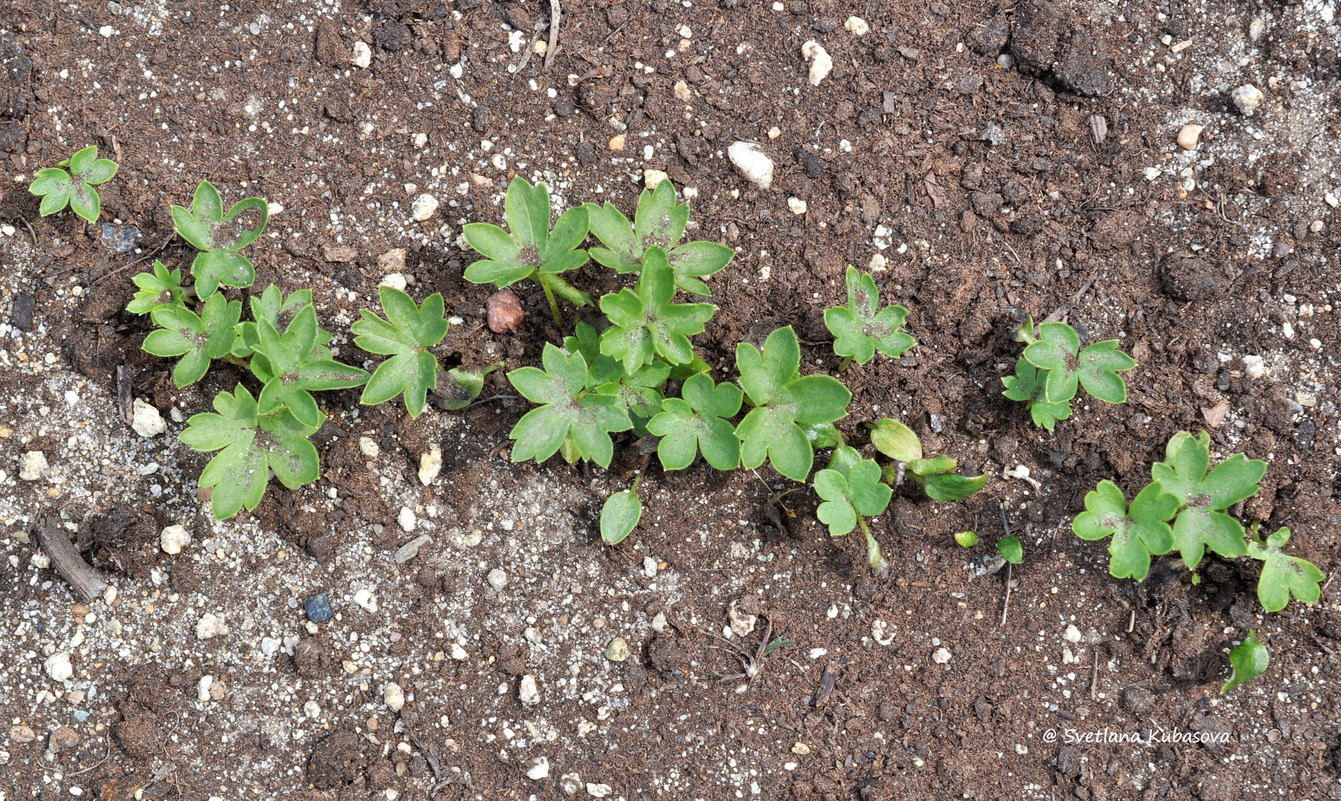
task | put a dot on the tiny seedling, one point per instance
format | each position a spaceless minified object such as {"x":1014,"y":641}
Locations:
{"x":620,"y":514}
{"x":157,"y":289}
{"x":699,"y":421}
{"x":1055,"y":349}
{"x":1283,"y":575}
{"x":1248,"y":660}
{"x":250,"y":445}
{"x":1027,"y":387}
{"x":785,"y":404}
{"x":852,"y":491}
{"x":1205,"y":497}
{"x":861,"y":327}
{"x":406,"y":335}
{"x":936,"y":474}
{"x":293,"y":371}
{"x":659,"y":222}
{"x":70,"y":183}
{"x":645,"y":324}
{"x":198,"y":338}
{"x":219,"y":235}
{"x":570,"y":418}
{"x":967,"y":539}
{"x":280,"y":311}
{"x":459,"y":387}
{"x":1139,"y":531}
{"x":532,"y":250}
{"x":1010,"y":549}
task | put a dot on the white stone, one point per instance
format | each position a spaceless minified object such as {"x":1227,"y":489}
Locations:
{"x":394,"y":696}
{"x":753,"y":163}
{"x":497,"y":579}
{"x":424,"y":206}
{"x":458,"y":653}
{"x":857,"y":26}
{"x":173,"y":538}
{"x":527,"y":691}
{"x":797,"y":205}
{"x":821,"y":64}
{"x":362,"y":55}
{"x":430,"y":464}
{"x":882,"y":632}
{"x":147,"y":422}
{"x":653,"y":177}
{"x":368,"y":447}
{"x":682,"y":92}
{"x":539,"y":769}
{"x":1254,"y":366}
{"x":203,"y":688}
{"x":598,"y":790}
{"x":1188,"y":136}
{"x":32,"y":467}
{"x":649,"y":567}
{"x":365,"y":599}
{"x":58,"y":666}
{"x":210,"y":625}
{"x":1247,"y":98}
{"x":1072,"y":634}
{"x":395,"y":281}
{"x":312,"y":710}
{"x":406,"y":518}
{"x":941,"y":656}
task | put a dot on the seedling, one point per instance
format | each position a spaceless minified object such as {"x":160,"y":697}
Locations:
{"x":658,"y":222}
{"x":70,"y":183}
{"x":279,"y":311}
{"x":699,"y":421}
{"x":1027,"y":386}
{"x":1283,"y":575}
{"x":219,"y":235}
{"x":294,"y":371}
{"x":785,"y":404}
{"x":571,"y":418}
{"x":967,"y":539}
{"x":405,"y":335}
{"x":198,"y":339}
{"x":861,"y":327}
{"x":1249,"y":660}
{"x":620,"y":514}
{"x":852,"y":491}
{"x":158,"y":289}
{"x":1010,"y":549}
{"x":458,"y":387}
{"x":935,"y":474}
{"x":637,"y":394}
{"x":1204,"y":498}
{"x":645,"y":323}
{"x":532,"y":250}
{"x":1138,"y":532}
{"x":250,"y":445}
{"x":1055,"y":348}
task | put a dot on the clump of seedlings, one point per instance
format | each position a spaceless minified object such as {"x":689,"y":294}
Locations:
{"x":1054,"y":366}
{"x":1186,"y":509}
{"x":71,"y":183}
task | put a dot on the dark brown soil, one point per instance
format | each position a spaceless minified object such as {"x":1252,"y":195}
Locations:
{"x":1001,"y":187}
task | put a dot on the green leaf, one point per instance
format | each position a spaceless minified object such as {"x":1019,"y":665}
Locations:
{"x":1249,"y":660}
{"x":250,"y":445}
{"x":458,"y":387}
{"x":1138,"y":532}
{"x":620,"y":515}
{"x":209,"y":229}
{"x":896,"y":440}
{"x":1027,"y":385}
{"x":785,"y":403}
{"x":967,"y":539}
{"x":526,"y":209}
{"x":405,"y":335}
{"x":1010,"y":549}
{"x":55,"y":187}
{"x":1284,"y":575}
{"x":295,"y":372}
{"x":214,"y":267}
{"x":694,"y":261}
{"x":158,"y":288}
{"x":952,"y":486}
{"x":1204,"y":497}
{"x":197,"y":339}
{"x":645,"y":323}
{"x":861,"y":328}
{"x":1100,"y":364}
{"x":86,"y":202}
{"x":699,"y":421}
{"x":850,"y":487}
{"x":82,"y":161}
{"x":569,"y":417}
{"x":659,"y":221}
{"x":621,"y":251}
{"x":1056,"y":352}
{"x":639,"y":394}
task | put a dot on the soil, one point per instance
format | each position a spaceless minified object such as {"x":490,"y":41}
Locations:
{"x":986,"y":161}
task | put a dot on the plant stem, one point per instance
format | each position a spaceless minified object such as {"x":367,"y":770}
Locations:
{"x":872,"y":547}
{"x":553,"y":303}
{"x":844,"y":363}
{"x":638,"y":479}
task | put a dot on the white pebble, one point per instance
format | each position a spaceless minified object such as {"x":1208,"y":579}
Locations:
{"x":58,"y":666}
{"x":752,"y":162}
{"x":539,"y":769}
{"x":147,"y":422}
{"x":649,"y":567}
{"x":424,"y":206}
{"x":430,"y":464}
{"x":1188,"y":136}
{"x":653,"y":177}
{"x":1247,"y":98}
{"x":365,"y":599}
{"x":821,"y":64}
{"x":394,"y":696}
{"x":406,"y":518}
{"x":1254,"y":366}
{"x":34,"y":464}
{"x":797,"y":205}
{"x":173,"y":538}
{"x":527,"y":691}
{"x":941,"y":656}
{"x":312,"y":710}
{"x":368,"y":447}
{"x":1072,"y":634}
{"x":203,"y":688}
{"x":857,"y":26}
{"x":210,"y":625}
{"x":598,"y":790}
{"x":362,"y":55}
{"x":497,"y":579}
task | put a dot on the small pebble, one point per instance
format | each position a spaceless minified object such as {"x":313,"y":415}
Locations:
{"x":430,"y":464}
{"x":58,"y":666}
{"x":1072,"y":634}
{"x":653,"y":177}
{"x":1247,"y":98}
{"x":1254,"y":366}
{"x":1188,"y":136}
{"x":410,"y":549}
{"x":22,"y":734}
{"x":394,"y":696}
{"x":941,"y":656}
{"x":368,"y":447}
{"x":395,"y":281}
{"x":497,"y":579}
{"x":173,"y":538}
{"x":210,"y":625}
{"x":598,"y":790}
{"x":797,"y":205}
{"x":821,"y":64}
{"x":362,"y":55}
{"x":365,"y":599}
{"x":406,"y":518}
{"x":318,"y":607}
{"x":539,"y":769}
{"x":424,"y":206}
{"x":857,"y":26}
{"x":649,"y":567}
{"x":752,"y":163}
{"x":32,"y":467}
{"x":147,"y":422}
{"x":527,"y":691}
{"x":617,"y":650}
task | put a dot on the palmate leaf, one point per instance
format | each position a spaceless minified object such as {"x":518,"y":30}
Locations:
{"x":250,"y":445}
{"x":219,"y":235}
{"x":1249,"y":659}
{"x":1205,"y":497}
{"x":861,"y":327}
{"x":1138,"y":532}
{"x":293,"y":370}
{"x":658,"y":222}
{"x":1027,"y":386}
{"x":198,"y":339}
{"x":71,"y":184}
{"x":157,"y":289}
{"x":569,"y":418}
{"x":785,"y":404}
{"x":699,"y":421}
{"x":1284,"y":575}
{"x":851,"y":491}
{"x":645,"y":324}
{"x":405,"y":335}
{"x":1057,"y":351}
{"x":277,"y":309}
{"x":639,"y":394}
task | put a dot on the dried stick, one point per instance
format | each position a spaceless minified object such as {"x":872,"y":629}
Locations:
{"x":87,"y":582}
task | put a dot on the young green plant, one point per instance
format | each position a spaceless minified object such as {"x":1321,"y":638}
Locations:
{"x":1054,"y":366}
{"x":936,"y":475}
{"x":71,"y":183}
{"x":861,"y":327}
{"x":406,"y":335}
{"x":219,"y":235}
{"x":852,"y":491}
